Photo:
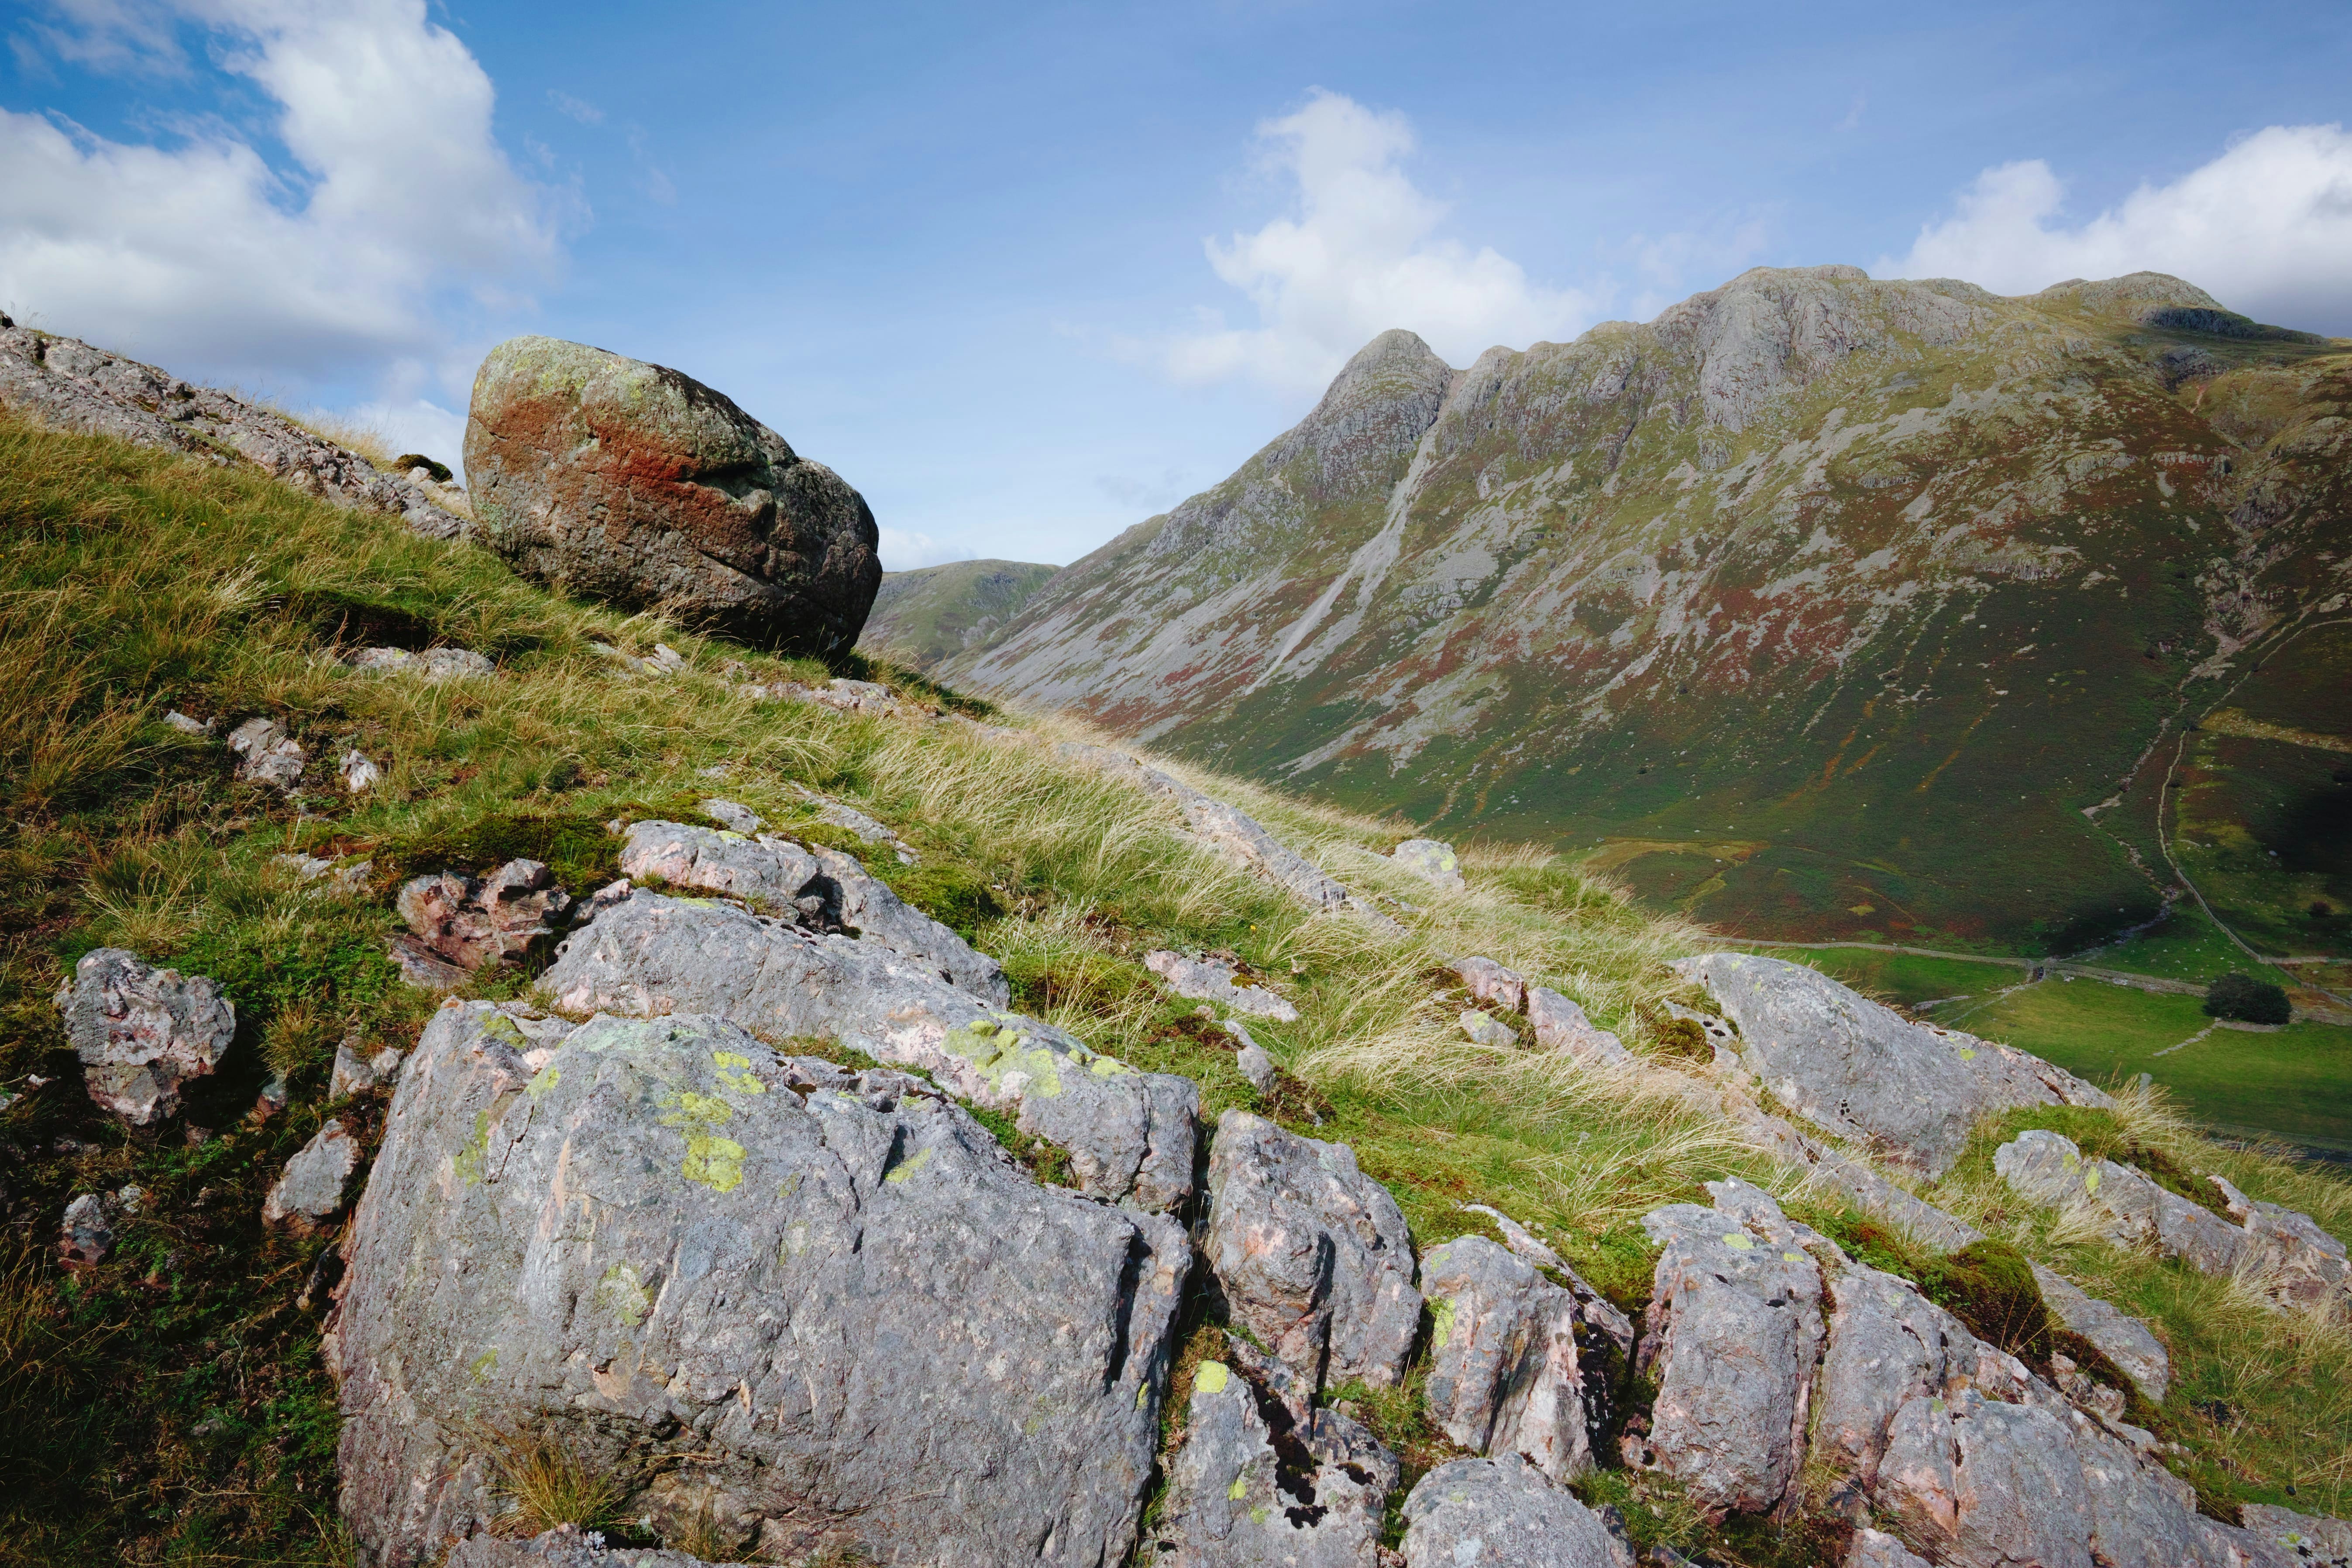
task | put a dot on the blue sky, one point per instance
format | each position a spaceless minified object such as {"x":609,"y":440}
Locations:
{"x":1025,"y":276}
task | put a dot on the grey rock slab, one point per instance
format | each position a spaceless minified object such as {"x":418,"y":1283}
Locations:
{"x":265,"y":754}
{"x":2137,"y":1353}
{"x":634,"y":483}
{"x":2049,"y":1168}
{"x":186,"y":726}
{"x":1732,"y":1335}
{"x":2311,"y":1538}
{"x":421,"y":967}
{"x":310,"y":1192}
{"x":1504,"y":1373}
{"x":1559,"y":1024}
{"x":825,"y":1305}
{"x":1856,"y":1069}
{"x":1876,"y":1196}
{"x":1431,"y":861}
{"x":86,"y":1232}
{"x":1129,"y":1135}
{"x":1215,"y":980}
{"x":2311,"y":1264}
{"x":1888,"y":1344}
{"x":142,"y":1032}
{"x":434,"y":663}
{"x":1256,"y":1065}
{"x":1979,"y":1483}
{"x":1504,"y":1513}
{"x":732,"y":816}
{"x":1493,"y":984}
{"x":772,"y":873}
{"x":1253,"y":1485}
{"x":1876,"y":1549}
{"x":842,"y":815}
{"x":1481,"y":1028}
{"x":351,"y":1074}
{"x":67,"y":384}
{"x":858,"y":900}
{"x":1310,"y":1252}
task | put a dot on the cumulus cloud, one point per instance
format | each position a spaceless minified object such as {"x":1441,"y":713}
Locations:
{"x":1359,"y":253}
{"x":398,"y":219}
{"x":903,"y":550}
{"x":2266,"y":228}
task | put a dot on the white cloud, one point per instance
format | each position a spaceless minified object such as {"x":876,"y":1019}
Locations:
{"x":580,"y":109}
{"x":902,"y":550}
{"x":400,"y":213}
{"x":417,"y":425}
{"x":2266,"y":228}
{"x":1359,"y":254}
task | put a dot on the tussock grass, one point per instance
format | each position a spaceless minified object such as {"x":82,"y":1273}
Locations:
{"x":548,"y":1482}
{"x":133,"y":583}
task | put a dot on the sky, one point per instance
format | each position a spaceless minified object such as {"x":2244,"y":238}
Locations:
{"x":1027,"y":274}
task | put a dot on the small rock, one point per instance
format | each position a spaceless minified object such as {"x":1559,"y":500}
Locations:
{"x":128,"y":1199}
{"x":664,"y":659}
{"x":471,"y":922}
{"x":1492,"y":983}
{"x":1213,"y":979}
{"x":359,"y":774}
{"x":434,"y":663}
{"x":843,"y":816}
{"x":732,"y":817}
{"x":1876,"y":1549}
{"x":311,"y":1190}
{"x":86,"y":1235}
{"x":1311,"y":1253}
{"x":351,"y":1074}
{"x":1256,"y":1065}
{"x":421,"y":967}
{"x":1560,"y":1025}
{"x":267,"y":754}
{"x":386,"y":1064}
{"x":1431,"y":861}
{"x":272,"y":1100}
{"x":1504,"y":1513}
{"x":1486,"y":1028}
{"x":716,"y":771}
{"x":187,"y":725}
{"x":142,"y":1032}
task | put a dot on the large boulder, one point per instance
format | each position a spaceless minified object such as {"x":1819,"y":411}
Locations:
{"x":1854,"y":1066}
{"x":1258,"y":1485}
{"x":1504,"y":1513}
{"x":636,"y":485}
{"x":1312,"y":1255}
{"x":1504,"y":1376}
{"x":819,"y":888}
{"x":1129,"y":1135}
{"x":823,"y":1309}
{"x":142,"y":1032}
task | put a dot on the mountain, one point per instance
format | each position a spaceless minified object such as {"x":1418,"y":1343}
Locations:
{"x":921,"y":618}
{"x":1818,"y":606}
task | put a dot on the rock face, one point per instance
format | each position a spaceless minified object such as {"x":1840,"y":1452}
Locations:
{"x":2124,"y":1340}
{"x":467,"y":922}
{"x":818,"y":888}
{"x":1503,"y":1513}
{"x":65,"y":382}
{"x":1256,"y":1486}
{"x":142,"y":1032}
{"x":634,"y":483}
{"x":1852,"y":1066}
{"x":1732,"y":1333}
{"x":568,"y":1548}
{"x":1504,"y":1376}
{"x":827,"y":1305}
{"x":1311,"y":1253}
{"x":1129,"y":1135}
{"x":311,"y":1191}
{"x":1215,"y":980}
{"x":1706,"y":547}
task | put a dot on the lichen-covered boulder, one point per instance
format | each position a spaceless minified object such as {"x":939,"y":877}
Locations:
{"x":1852,"y":1066}
{"x":1130,"y":1135}
{"x":1310,"y":1253}
{"x":1503,"y":1513}
{"x":1888,"y":1344}
{"x":823,"y":1309}
{"x":142,"y":1032}
{"x":1731,"y":1335}
{"x":1432,"y":861}
{"x":2049,"y":1168}
{"x":1504,"y":1376}
{"x":1254,"y":1485}
{"x":821,"y":889}
{"x":634,"y":483}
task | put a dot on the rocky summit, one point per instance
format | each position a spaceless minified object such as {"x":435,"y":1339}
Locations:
{"x":632,"y":483}
{"x":1818,"y":606}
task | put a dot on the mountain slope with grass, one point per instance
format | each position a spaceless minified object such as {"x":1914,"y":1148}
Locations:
{"x":1817,"y":608}
{"x":924,"y":617}
{"x":172,"y":1403}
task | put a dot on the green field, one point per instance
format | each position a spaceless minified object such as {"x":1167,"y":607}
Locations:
{"x":2187,"y":946}
{"x":2295,"y":1085}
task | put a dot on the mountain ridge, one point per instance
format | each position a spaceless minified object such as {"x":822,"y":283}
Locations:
{"x":1453,"y":594}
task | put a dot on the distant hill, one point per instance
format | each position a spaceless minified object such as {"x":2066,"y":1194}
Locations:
{"x":921,"y":618}
{"x":1817,"y":606}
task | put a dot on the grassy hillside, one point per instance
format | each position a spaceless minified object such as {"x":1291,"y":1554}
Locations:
{"x":924,"y":617}
{"x":169,"y":1406}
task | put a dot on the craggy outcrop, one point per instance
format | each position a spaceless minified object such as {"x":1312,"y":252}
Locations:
{"x":142,"y":1032}
{"x":823,"y":1309}
{"x":1309,"y":1252}
{"x":1849,"y":1065}
{"x":634,"y":483}
{"x":1129,"y":1135}
{"x":457,"y":924}
{"x":1505,"y":1376}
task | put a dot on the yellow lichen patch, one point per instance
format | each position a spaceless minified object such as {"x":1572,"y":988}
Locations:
{"x":1000,"y":1054}
{"x":545,"y":1079}
{"x":922,"y":1157}
{"x":1441,"y":1332}
{"x":1239,"y":1489}
{"x":1738,"y":1242}
{"x":733,"y":1072}
{"x":715,"y":1161}
{"x":1209,"y":1378}
{"x":498,"y":1026}
{"x":621,"y":1291}
{"x":1107,"y":1067}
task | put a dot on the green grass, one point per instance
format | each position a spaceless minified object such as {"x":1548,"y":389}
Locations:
{"x":1906,"y":978}
{"x":171,"y":1405}
{"x":2187,"y":946}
